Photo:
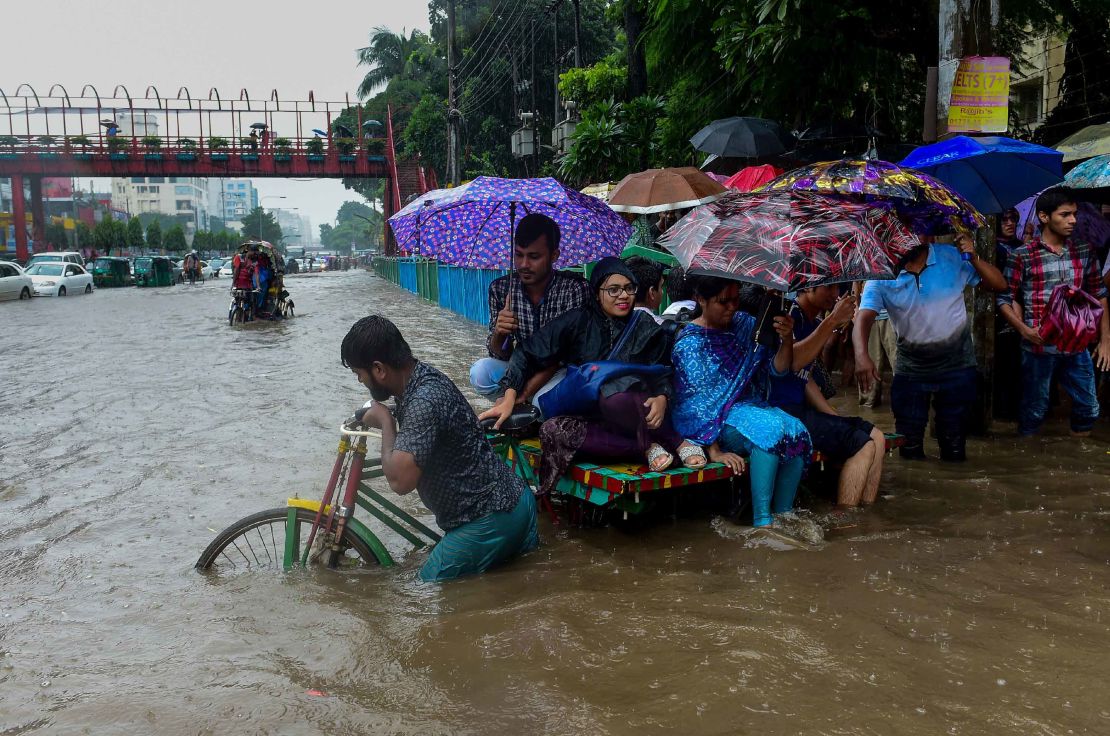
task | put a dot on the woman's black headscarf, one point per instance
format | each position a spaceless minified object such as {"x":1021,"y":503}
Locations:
{"x":605,"y":268}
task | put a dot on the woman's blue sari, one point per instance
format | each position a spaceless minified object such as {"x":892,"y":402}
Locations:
{"x":720,"y":377}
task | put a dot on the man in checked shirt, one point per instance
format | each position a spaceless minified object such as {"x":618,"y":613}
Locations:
{"x":1034,"y":270}
{"x":524,"y":301}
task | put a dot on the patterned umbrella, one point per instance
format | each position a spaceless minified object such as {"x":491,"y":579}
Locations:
{"x":790,"y":240}
{"x":1091,"y":174}
{"x":926,"y":205}
{"x":1094,"y":140}
{"x":472,"y":225}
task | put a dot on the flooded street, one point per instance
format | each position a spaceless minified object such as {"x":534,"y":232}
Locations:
{"x":136,"y":424}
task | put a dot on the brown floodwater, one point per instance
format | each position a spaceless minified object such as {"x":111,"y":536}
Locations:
{"x":135,"y":424}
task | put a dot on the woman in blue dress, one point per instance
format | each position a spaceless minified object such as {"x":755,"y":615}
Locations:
{"x":720,"y":389}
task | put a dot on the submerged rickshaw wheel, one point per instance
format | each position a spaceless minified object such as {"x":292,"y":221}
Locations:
{"x":258,"y":542}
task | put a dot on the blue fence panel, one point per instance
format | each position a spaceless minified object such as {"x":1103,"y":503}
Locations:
{"x":406,"y":269}
{"x":464,"y":291}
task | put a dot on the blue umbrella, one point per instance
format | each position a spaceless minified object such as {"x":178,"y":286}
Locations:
{"x":991,"y":172}
{"x":319,"y":132}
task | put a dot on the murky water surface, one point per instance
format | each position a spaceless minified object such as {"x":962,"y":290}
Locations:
{"x":134,"y":424}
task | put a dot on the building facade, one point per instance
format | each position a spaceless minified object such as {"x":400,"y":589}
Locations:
{"x":183,"y":198}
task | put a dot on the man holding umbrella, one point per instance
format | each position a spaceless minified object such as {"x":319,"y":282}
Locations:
{"x":935,"y":357}
{"x":526,"y":300}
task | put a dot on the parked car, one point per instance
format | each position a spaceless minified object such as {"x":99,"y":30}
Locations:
{"x":219,"y":265}
{"x":68,"y":256}
{"x":206,"y":271}
{"x":14,"y":284}
{"x":60,"y":278}
{"x":178,"y":270}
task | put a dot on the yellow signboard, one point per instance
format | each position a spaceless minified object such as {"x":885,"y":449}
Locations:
{"x":980,"y":100}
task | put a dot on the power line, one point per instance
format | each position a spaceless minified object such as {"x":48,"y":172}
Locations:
{"x":482,"y":38}
{"x":506,"y":30}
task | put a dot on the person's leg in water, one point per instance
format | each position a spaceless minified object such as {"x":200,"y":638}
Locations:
{"x":909,"y":400}
{"x":955,"y":392}
{"x":854,"y":476}
{"x":1077,"y":377}
{"x":875,"y":473}
{"x":786,"y":483}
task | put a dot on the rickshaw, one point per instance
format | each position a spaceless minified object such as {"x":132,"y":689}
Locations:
{"x":277,"y":304}
{"x":154,"y":271}
{"x":111,"y":272}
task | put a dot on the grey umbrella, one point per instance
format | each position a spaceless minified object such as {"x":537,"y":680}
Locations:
{"x":743,"y":138}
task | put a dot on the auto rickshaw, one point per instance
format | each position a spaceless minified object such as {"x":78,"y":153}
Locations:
{"x":153,"y":271}
{"x":110,"y":272}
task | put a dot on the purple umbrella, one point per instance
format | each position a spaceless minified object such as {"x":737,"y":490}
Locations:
{"x":472,"y":225}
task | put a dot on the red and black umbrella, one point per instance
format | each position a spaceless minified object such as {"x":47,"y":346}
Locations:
{"x":790,"y":240}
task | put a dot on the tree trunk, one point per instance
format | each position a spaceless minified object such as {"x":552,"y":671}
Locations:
{"x":637,"y":65}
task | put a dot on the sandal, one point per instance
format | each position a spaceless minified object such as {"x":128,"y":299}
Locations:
{"x":658,"y":458}
{"x":692,"y":456}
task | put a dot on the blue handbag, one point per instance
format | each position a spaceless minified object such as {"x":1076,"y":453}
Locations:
{"x":578,"y":393}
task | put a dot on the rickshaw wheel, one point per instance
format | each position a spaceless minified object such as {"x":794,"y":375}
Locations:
{"x":257,"y":542}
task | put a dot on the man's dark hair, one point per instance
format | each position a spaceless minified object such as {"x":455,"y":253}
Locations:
{"x":532,"y":226}
{"x":647,"y":272}
{"x":678,"y":287}
{"x":375,"y":339}
{"x":1055,"y":198}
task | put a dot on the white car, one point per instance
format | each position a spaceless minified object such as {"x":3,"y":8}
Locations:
{"x":69,"y":256}
{"x":14,"y":284}
{"x":58,"y":278}
{"x":206,"y":271}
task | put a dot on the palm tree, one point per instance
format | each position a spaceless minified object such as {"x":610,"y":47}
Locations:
{"x":387,"y":56}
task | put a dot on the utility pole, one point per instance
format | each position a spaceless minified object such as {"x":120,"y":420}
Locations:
{"x":577,"y":24}
{"x":452,"y":100}
{"x":967,"y":28}
{"x":532,"y":90}
{"x":555,"y":118}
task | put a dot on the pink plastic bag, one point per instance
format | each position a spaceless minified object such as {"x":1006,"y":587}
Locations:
{"x":1071,"y":319}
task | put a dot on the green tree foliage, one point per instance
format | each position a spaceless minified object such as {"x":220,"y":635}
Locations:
{"x":154,"y":235}
{"x":108,"y":234}
{"x":392,"y":55}
{"x":598,"y":83}
{"x":261,"y":225}
{"x":424,"y":133}
{"x":612,"y":140}
{"x":84,"y":233}
{"x":175,"y":240}
{"x":135,"y":240}
{"x":56,"y":235}
{"x":351,"y":228}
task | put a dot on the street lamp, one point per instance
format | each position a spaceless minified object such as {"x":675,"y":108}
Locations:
{"x":263,"y":208}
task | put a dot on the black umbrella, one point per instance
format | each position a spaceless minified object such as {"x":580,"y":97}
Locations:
{"x":343,"y":131}
{"x":259,"y":126}
{"x":743,"y":138}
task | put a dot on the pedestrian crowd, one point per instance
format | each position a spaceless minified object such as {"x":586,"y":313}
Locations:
{"x":731,"y":373}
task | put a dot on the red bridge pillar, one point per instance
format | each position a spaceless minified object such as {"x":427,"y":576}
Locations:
{"x":38,"y":217}
{"x":19,"y":218}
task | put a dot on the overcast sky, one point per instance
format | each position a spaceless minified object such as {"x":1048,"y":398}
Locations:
{"x":293,"y":47}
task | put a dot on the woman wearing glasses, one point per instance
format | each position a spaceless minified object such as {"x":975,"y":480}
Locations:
{"x":630,"y":417}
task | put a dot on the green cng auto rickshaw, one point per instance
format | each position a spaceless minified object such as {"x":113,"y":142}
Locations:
{"x":109,"y":272}
{"x":153,"y":271}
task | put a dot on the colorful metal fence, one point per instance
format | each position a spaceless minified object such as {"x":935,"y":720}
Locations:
{"x":461,"y":290}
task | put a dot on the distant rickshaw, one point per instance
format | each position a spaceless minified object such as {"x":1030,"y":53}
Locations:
{"x":111,"y":272}
{"x":275,"y":304}
{"x":154,"y":271}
